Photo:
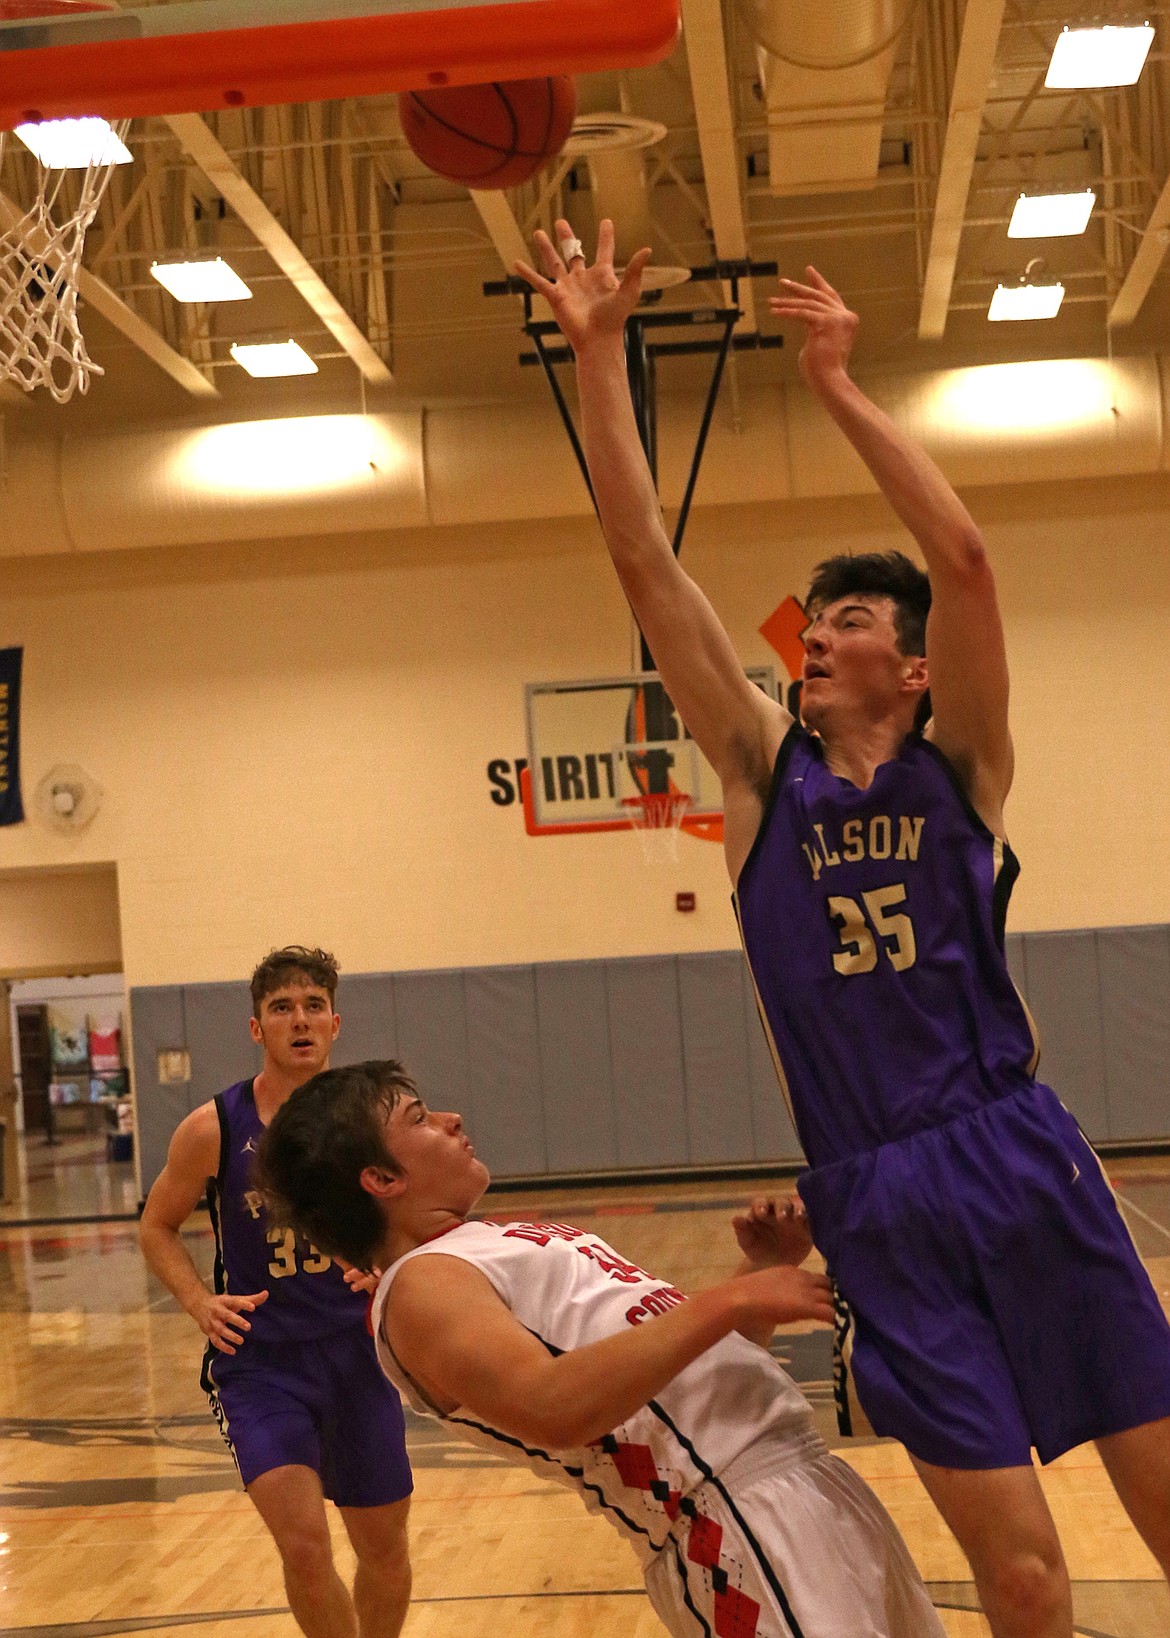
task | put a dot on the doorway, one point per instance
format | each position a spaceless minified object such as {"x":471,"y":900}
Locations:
{"x":66,"y":1108}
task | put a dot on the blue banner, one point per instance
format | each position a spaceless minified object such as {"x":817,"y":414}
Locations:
{"x":11,"y":807}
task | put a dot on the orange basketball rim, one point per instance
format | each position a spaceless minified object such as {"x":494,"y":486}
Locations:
{"x":64,"y":60}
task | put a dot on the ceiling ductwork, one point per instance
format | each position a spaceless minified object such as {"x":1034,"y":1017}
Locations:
{"x":825,"y":71}
{"x":1055,"y":421}
{"x":614,"y":147}
{"x":834,"y":34}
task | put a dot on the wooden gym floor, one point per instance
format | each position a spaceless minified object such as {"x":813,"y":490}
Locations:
{"x":120,"y":1511}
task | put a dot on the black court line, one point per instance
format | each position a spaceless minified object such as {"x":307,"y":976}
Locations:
{"x":783,"y":1171}
{"x":148,"y":1623}
{"x":599,"y":1208}
{"x":56,"y":1220}
{"x":593,"y":1208}
{"x":734,"y":1172}
{"x":638,"y":1208}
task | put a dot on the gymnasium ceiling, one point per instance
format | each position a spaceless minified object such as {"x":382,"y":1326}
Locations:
{"x":324,"y":210}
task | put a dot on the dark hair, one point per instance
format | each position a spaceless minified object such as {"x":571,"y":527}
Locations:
{"x":312,"y":1156}
{"x":281,"y":967}
{"x":877,"y":574}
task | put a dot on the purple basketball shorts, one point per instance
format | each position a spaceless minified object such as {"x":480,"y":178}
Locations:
{"x":997,"y":1301}
{"x":323,"y":1404}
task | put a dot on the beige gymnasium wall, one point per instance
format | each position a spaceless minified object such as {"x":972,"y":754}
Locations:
{"x":59,"y":921}
{"x":293,"y":739}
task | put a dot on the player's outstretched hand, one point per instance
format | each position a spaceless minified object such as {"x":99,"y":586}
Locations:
{"x":771,"y":1233}
{"x":587,"y":302}
{"x":221,"y":1319}
{"x":360,"y":1279}
{"x":776,"y":1296}
{"x":829,"y":326}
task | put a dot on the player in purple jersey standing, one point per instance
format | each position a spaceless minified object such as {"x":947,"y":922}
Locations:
{"x":289,"y":1367}
{"x":993,"y":1297}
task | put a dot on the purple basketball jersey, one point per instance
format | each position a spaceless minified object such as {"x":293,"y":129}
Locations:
{"x":307,"y":1296}
{"x":873,"y":923}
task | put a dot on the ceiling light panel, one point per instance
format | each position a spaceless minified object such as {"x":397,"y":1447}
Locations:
{"x":1051,"y":215}
{"x":1094,"y":57}
{"x":1025,"y":301}
{"x":271,"y":358}
{"x":74,"y":144}
{"x":201,"y":281}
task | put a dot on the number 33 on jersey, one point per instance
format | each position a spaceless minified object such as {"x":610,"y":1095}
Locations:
{"x":256,"y":1255}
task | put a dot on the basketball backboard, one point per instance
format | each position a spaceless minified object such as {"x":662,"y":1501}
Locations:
{"x":66,"y":58}
{"x":597,"y":747}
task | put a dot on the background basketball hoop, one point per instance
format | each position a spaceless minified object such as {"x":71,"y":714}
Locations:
{"x":44,"y":214}
{"x":657,"y":818}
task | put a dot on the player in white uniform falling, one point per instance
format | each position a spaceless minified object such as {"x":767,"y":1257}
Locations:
{"x":540,"y":1342}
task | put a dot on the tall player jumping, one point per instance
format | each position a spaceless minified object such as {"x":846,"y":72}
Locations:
{"x":289,"y":1366}
{"x":997,"y":1302}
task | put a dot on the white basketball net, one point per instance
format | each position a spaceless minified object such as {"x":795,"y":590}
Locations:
{"x":40,"y":258}
{"x":657,"y":820}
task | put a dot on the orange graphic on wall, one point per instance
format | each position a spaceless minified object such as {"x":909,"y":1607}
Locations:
{"x":782,"y":630}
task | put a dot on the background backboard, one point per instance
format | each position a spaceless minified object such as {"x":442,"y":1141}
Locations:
{"x":596,"y":746}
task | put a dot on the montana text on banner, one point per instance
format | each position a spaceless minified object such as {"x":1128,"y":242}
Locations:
{"x":11,"y":807}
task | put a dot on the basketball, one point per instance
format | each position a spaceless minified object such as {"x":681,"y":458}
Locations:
{"x":490,"y":136}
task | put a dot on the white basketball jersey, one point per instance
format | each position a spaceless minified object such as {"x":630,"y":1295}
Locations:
{"x":569,"y":1288}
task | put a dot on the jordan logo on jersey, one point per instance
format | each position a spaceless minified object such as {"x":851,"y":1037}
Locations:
{"x":858,"y":840}
{"x":249,"y":1148}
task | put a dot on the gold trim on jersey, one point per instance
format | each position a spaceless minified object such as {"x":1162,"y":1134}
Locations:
{"x":1105,"y":1178}
{"x":997,"y":854}
{"x":777,"y":1066}
{"x":852,"y":1422}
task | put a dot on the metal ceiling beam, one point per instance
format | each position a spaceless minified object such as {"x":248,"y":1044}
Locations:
{"x":504,"y":230}
{"x":144,"y":336}
{"x":1144,"y":268}
{"x":973,"y":72}
{"x":110,"y":305}
{"x":507,"y":235}
{"x":201,"y":144}
{"x":711,"y":92}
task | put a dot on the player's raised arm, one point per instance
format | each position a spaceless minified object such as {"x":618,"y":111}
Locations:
{"x":736,"y":726}
{"x":964,"y":640}
{"x":451,"y":1332}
